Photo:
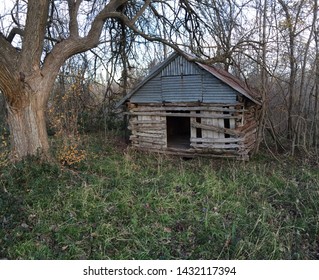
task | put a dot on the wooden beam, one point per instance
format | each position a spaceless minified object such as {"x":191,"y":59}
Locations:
{"x":186,"y":104}
{"x":190,"y":115}
{"x":217,"y":140}
{"x":231,"y":132}
{"x":138,"y":122}
{"x":196,"y":108}
{"x":215,"y":146}
{"x":187,"y":153}
{"x":149,"y":135}
{"x":147,"y":126}
{"x":143,"y":132}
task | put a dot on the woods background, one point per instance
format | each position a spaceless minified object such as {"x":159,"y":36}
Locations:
{"x":271,"y":45}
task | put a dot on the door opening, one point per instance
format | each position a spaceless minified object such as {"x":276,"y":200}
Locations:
{"x":178,"y":132}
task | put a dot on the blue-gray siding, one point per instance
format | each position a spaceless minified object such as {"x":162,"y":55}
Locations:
{"x":183,"y":81}
{"x":151,"y":92}
{"x":180,"y":66}
{"x":215,"y":90}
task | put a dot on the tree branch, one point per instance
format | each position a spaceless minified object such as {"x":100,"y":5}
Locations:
{"x":7,"y":51}
{"x":34,"y":33}
{"x":73,"y":12}
{"x":141,"y":11}
{"x":8,"y":67}
{"x":13,"y":32}
{"x":76,"y":44}
{"x":174,"y":46}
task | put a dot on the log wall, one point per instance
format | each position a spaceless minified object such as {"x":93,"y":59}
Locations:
{"x":221,"y":130}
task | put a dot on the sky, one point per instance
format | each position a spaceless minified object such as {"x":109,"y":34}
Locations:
{"x":5,"y":19}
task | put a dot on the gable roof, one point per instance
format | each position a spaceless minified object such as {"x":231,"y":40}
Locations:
{"x":230,"y":80}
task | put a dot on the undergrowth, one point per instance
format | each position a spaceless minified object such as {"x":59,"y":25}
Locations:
{"x":121,"y":204}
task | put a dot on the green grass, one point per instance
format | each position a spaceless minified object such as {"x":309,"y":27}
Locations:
{"x":121,"y":204}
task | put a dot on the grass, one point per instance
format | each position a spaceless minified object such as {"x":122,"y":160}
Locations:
{"x":121,"y":204}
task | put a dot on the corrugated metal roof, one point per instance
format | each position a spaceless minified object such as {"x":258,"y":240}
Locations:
{"x":231,"y":80}
{"x":155,"y":71}
{"x":220,"y":74}
{"x":178,"y":66}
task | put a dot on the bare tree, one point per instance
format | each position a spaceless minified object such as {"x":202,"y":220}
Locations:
{"x":273,"y":51}
{"x":316,"y":91}
{"x":53,"y":31}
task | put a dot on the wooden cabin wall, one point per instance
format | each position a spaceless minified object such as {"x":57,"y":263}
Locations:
{"x":219,"y":130}
{"x":225,"y":130}
{"x":148,"y":131}
{"x":250,"y":128}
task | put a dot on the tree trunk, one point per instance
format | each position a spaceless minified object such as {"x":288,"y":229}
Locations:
{"x":316,"y":105}
{"x":263,"y":74}
{"x":28,"y":134}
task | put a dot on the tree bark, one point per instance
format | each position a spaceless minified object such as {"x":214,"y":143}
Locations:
{"x":316,"y":101}
{"x":263,"y":73}
{"x":291,"y":21}
{"x":26,"y":81}
{"x":28,"y":130}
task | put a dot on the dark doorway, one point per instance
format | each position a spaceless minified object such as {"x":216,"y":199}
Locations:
{"x":178,"y":132}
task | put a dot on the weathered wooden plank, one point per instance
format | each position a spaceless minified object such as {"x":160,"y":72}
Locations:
{"x":192,"y":115}
{"x":251,"y":133}
{"x":178,"y":108}
{"x":221,"y":124}
{"x":193,"y":129}
{"x":148,"y":122}
{"x":142,"y":117}
{"x":248,"y":126}
{"x":203,"y":151}
{"x":148,"y":131}
{"x":139,"y":141}
{"x":147,"y":140}
{"x":250,"y":138}
{"x":215,"y":146}
{"x":250,"y":146}
{"x":133,"y":119}
{"x":231,"y":132}
{"x":142,"y":135}
{"x":149,"y":135}
{"x":207,"y":121}
{"x":217,"y":140}
{"x":147,"y":143}
{"x":150,"y":147}
{"x":223,"y":152}
{"x":191,"y":153}
{"x":232,"y":123}
{"x":148,"y":126}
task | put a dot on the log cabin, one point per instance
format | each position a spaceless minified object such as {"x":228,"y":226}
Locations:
{"x":187,"y":108}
